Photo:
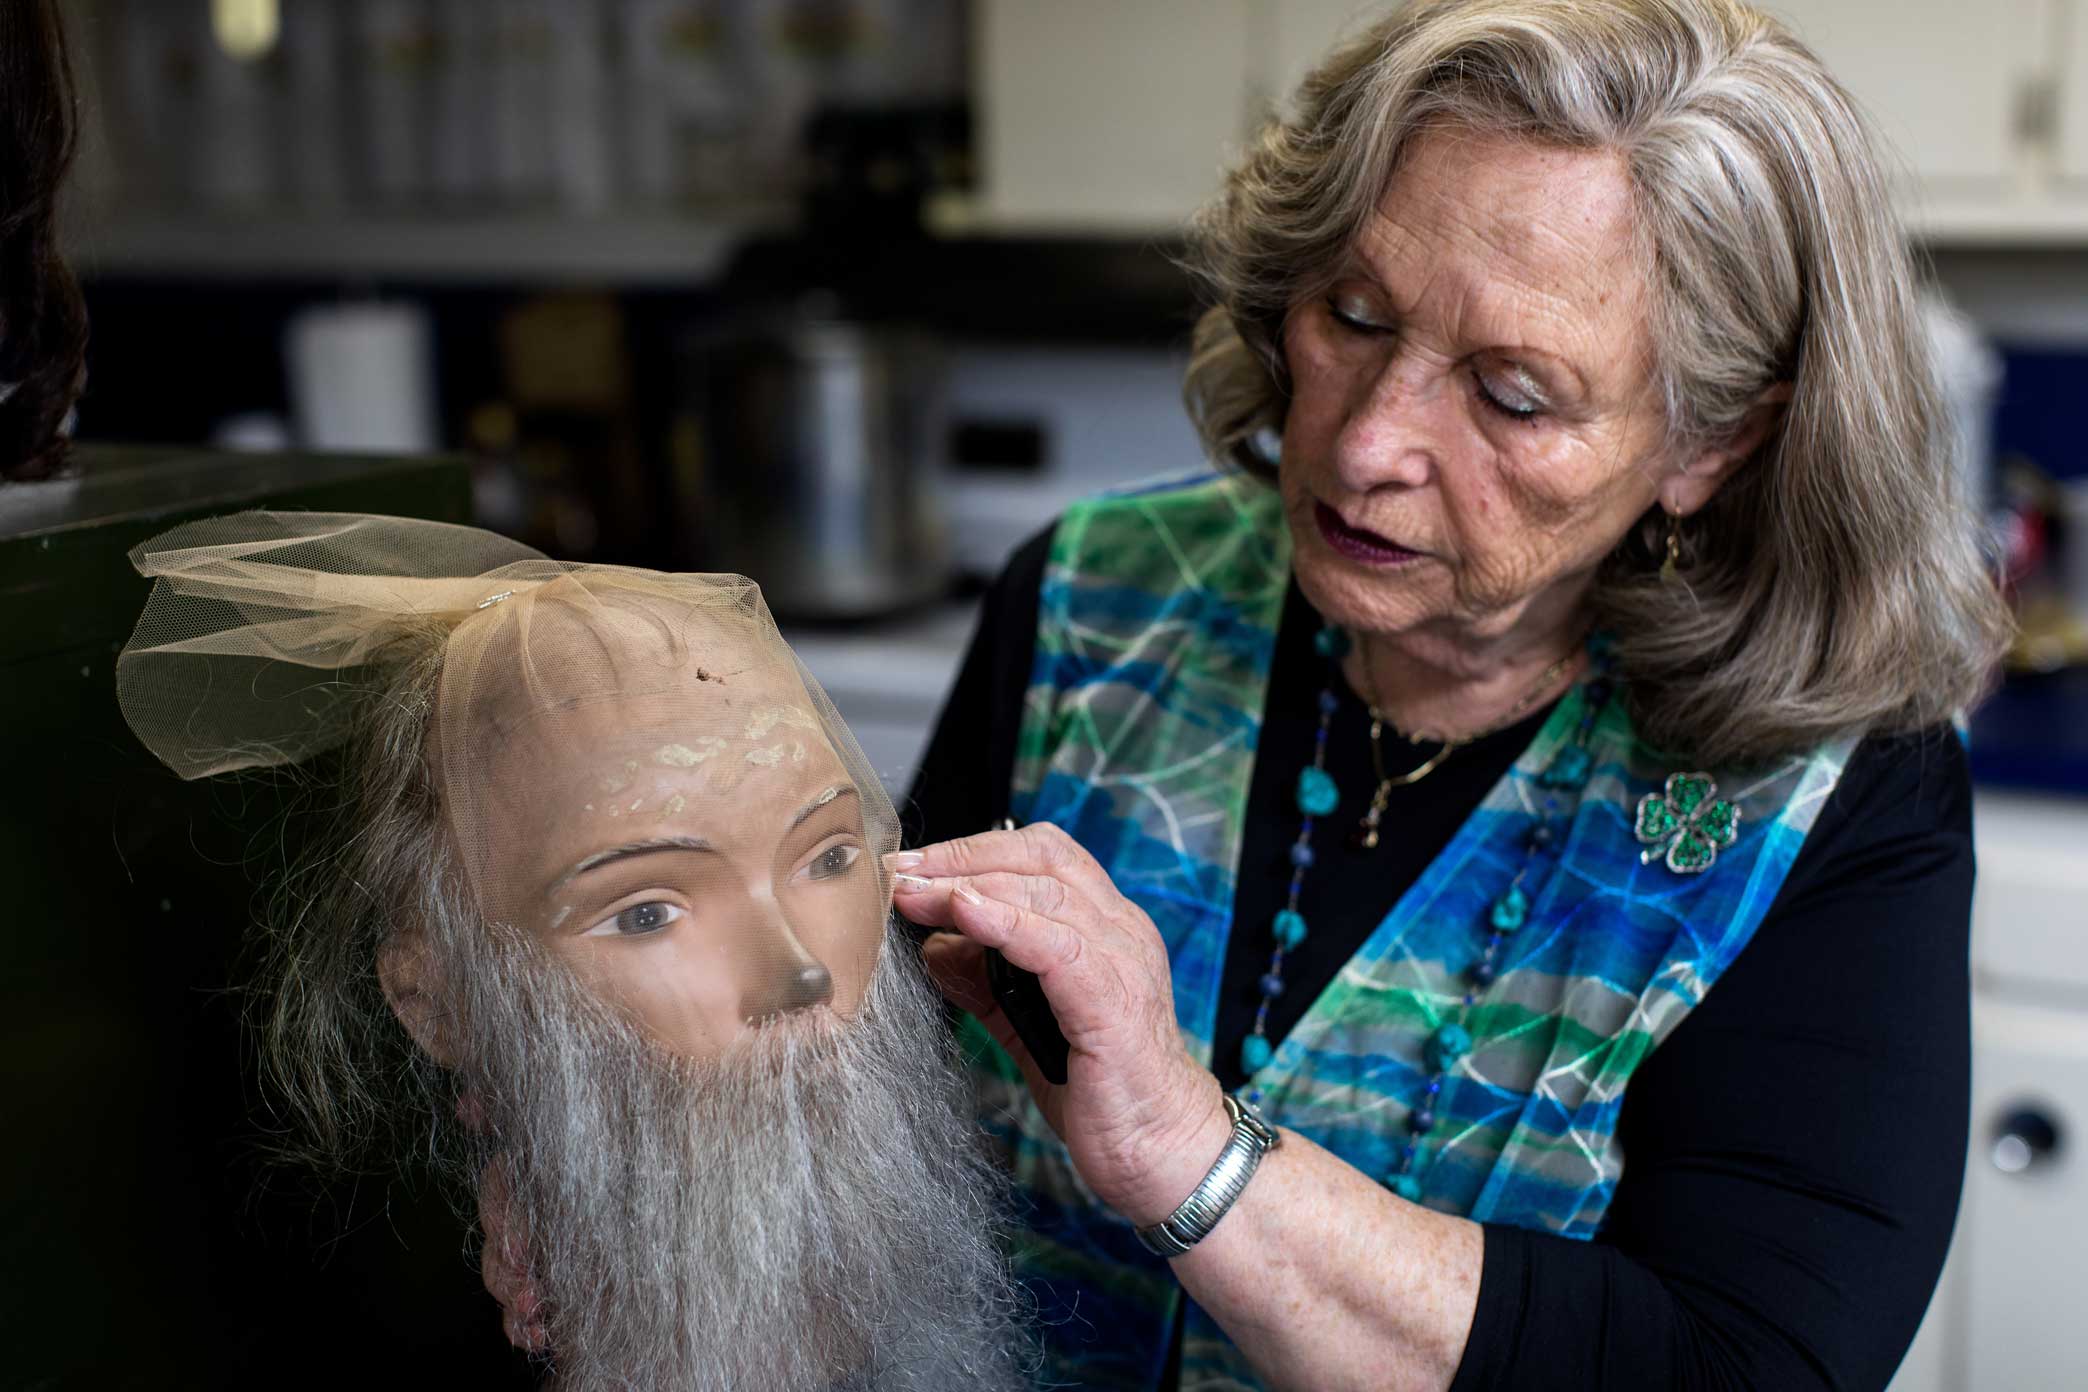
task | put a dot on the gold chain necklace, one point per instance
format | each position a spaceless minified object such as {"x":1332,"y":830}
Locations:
{"x":1366,"y":833}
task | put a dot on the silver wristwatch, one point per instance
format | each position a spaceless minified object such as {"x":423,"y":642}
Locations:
{"x":1190,"y":1224}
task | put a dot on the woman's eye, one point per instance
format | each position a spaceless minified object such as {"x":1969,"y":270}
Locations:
{"x":832,"y":861}
{"x":1505,"y":400}
{"x":1355,"y":317}
{"x":636,"y":921}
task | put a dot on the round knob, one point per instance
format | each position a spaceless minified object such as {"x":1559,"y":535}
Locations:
{"x":2025,"y":1136}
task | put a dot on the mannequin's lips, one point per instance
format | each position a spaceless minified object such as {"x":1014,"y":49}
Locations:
{"x":1366,"y":548}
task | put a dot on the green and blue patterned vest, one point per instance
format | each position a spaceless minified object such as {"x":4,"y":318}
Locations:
{"x":1156,"y":628}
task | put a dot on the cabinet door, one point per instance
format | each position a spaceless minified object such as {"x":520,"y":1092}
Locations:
{"x":1298,"y":34}
{"x":2030,"y":910}
{"x":2072,"y":92}
{"x":1944,"y":80}
{"x":1097,"y":115}
{"x":2022,"y":1235}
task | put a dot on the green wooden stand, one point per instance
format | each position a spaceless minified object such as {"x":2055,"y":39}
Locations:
{"x":142,"y":1241}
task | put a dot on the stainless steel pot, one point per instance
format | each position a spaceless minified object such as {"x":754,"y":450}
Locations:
{"x":808,"y":457}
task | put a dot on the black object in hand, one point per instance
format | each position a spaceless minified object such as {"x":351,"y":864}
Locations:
{"x":1021,"y":998}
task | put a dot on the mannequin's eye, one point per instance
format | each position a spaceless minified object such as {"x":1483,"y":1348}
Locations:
{"x":832,"y":861}
{"x":636,"y":921}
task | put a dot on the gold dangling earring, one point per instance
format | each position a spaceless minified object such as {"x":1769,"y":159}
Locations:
{"x":1674,"y":548}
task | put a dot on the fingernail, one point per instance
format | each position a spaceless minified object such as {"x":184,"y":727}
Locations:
{"x":903,"y":860}
{"x":966,"y":893}
{"x":914,"y":884}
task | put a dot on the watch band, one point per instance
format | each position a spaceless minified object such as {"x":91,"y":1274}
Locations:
{"x":1192,"y":1222}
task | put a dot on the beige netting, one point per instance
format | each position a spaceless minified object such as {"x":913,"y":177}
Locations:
{"x":633,"y":765}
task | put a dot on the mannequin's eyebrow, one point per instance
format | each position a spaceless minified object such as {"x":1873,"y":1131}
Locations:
{"x":635,"y":848}
{"x":839,"y":790}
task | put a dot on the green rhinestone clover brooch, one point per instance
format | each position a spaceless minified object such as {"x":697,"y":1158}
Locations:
{"x":1689,"y":820}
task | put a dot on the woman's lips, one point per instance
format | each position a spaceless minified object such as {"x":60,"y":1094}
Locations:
{"x":1366,"y":548}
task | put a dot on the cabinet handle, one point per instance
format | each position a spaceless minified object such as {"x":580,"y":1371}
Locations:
{"x":2037,"y":110}
{"x":2025,"y":1138}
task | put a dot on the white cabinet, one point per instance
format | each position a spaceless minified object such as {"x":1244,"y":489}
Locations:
{"x":2071,"y":92}
{"x":1298,"y":34}
{"x":1097,"y":116}
{"x":1971,"y":101}
{"x":2008,"y":1311}
{"x":1945,"y":81}
{"x":2030,"y":912}
{"x":2022,"y":1238}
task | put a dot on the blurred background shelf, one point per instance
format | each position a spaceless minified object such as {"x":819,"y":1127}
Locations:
{"x":1952,"y":223}
{"x":684,"y":250}
{"x":548,"y":247}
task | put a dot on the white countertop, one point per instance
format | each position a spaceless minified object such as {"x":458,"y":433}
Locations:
{"x":888,"y":679}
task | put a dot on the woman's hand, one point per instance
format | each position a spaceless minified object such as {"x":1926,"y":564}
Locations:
{"x":504,"y":1265}
{"x":1142,"y":1120}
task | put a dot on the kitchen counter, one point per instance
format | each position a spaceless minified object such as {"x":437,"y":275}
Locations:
{"x":889,"y":679}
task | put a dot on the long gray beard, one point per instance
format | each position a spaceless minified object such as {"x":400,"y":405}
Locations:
{"x":809,"y":1211}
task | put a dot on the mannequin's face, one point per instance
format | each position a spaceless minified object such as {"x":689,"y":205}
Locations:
{"x":698,"y":857}
{"x":642,"y":787}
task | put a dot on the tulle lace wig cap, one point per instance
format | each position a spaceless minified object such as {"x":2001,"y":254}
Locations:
{"x":633,"y":767}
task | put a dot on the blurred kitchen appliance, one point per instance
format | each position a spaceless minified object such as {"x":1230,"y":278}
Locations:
{"x":362,"y":377}
{"x":806,"y":454}
{"x":1037,"y":427}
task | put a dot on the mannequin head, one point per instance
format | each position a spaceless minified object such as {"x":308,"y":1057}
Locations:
{"x":644,"y":942}
{"x":604,"y":912}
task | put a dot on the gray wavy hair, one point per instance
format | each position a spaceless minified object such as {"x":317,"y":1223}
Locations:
{"x":1833,"y":584}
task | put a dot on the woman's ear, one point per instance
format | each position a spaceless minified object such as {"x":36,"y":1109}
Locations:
{"x":1693,"y":485}
{"x":412,"y":988}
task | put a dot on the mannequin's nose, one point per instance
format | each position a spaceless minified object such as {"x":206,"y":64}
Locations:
{"x":809,"y":985}
{"x":784,"y":976}
{"x":793,"y":986}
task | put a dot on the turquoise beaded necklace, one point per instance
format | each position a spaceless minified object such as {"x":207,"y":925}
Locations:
{"x":1318,"y":795}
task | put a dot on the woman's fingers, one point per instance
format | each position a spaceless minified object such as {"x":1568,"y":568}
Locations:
{"x":1025,"y":918}
{"x":527,"y":1335}
{"x":1073,"y":960}
{"x":1031,"y":920}
{"x":1041,"y":849}
{"x":1049,"y":909}
{"x":938,"y":902}
{"x":504,"y":1263}
{"x":928,"y":903}
{"x":498,"y":1268}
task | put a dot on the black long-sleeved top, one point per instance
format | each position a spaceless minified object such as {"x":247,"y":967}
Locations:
{"x":1793,"y":1150}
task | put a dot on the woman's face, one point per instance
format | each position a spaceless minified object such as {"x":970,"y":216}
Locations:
{"x":1473,"y":423}
{"x":698,"y":859}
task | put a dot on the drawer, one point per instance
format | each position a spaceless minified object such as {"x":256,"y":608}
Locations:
{"x":2030,"y":909}
{"x":2021,"y":1256}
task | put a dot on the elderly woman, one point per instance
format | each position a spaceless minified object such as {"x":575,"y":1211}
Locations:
{"x":1532,"y":789}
